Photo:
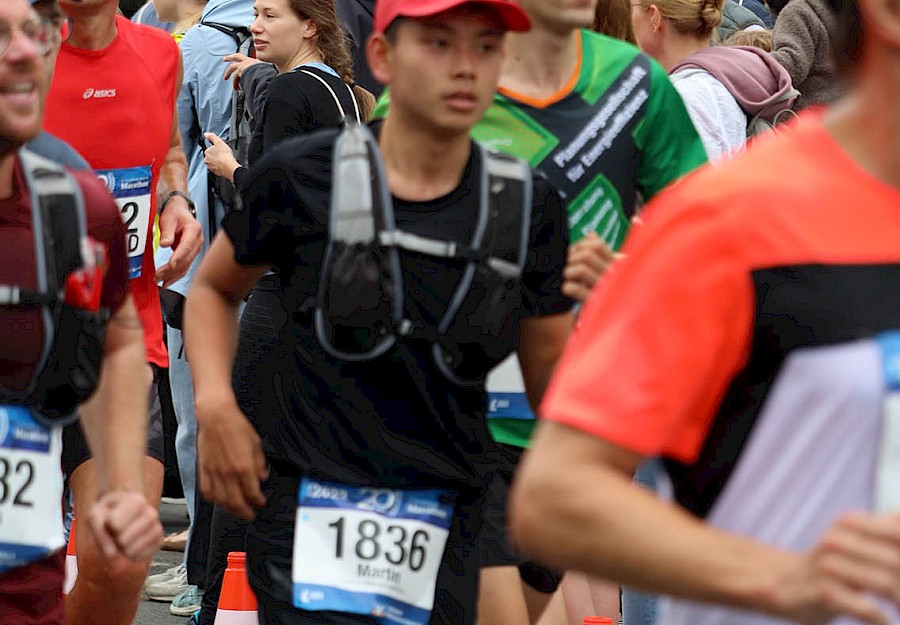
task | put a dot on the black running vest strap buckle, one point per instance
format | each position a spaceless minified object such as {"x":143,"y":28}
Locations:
{"x":359,"y":311}
{"x":68,"y":369}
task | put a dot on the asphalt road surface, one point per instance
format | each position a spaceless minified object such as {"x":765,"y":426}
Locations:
{"x":175,"y":519}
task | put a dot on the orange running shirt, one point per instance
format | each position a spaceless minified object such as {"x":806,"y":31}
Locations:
{"x":749,"y":338}
{"x":727,"y":309}
{"x":116,"y":106}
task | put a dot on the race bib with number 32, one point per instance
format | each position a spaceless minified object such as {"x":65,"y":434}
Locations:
{"x":372,"y":551}
{"x":131,"y":189}
{"x":30,"y":489}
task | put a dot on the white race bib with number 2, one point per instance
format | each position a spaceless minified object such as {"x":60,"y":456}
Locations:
{"x":372,"y":551}
{"x":30,"y":489}
{"x":131,"y":189}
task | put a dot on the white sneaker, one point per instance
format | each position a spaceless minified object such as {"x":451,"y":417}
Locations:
{"x":165,"y":575}
{"x":169,"y":588}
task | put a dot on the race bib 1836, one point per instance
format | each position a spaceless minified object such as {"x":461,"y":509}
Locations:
{"x":131,"y":189}
{"x":372,"y":551}
{"x":30,"y":489}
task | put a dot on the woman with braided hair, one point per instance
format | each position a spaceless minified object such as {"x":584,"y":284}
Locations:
{"x":314,"y":87}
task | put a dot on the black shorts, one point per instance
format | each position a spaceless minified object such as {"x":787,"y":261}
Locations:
{"x":75,"y":446}
{"x":269,"y":557}
{"x":493,"y":538}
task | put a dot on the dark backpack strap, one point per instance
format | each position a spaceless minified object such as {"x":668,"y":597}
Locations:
{"x":341,"y":113}
{"x":360,"y":208}
{"x":60,"y":221}
{"x":504,"y":246}
{"x":240,"y":34}
{"x":510,"y":186}
{"x":243,"y":41}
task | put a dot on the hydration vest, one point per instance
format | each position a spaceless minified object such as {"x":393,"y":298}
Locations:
{"x":68,"y":369}
{"x":359,"y":308}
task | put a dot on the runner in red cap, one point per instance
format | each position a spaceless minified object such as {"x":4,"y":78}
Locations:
{"x":386,"y":11}
{"x":371,"y":443}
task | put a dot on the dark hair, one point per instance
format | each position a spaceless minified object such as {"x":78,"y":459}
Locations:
{"x":775,"y":6}
{"x":847,"y":38}
{"x":613,"y":18}
{"x":334,"y":45}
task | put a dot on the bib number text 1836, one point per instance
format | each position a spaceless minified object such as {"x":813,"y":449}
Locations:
{"x":373,"y":551}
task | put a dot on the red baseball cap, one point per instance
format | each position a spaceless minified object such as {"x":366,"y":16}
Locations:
{"x":386,"y":11}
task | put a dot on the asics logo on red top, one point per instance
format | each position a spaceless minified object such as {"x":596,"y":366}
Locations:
{"x":99,"y":93}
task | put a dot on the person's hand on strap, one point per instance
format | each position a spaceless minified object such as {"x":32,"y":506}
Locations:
{"x":237,"y":64}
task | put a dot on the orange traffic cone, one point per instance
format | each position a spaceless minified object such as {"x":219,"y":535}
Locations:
{"x":71,"y":562}
{"x":237,"y":603}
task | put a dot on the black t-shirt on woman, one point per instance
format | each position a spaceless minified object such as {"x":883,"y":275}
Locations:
{"x":394,"y":421}
{"x":297,"y":103}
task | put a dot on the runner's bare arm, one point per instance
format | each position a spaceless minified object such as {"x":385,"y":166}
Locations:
{"x":574,"y":506}
{"x":541,"y":342}
{"x":115,"y":423}
{"x":230,"y":456}
{"x":177,"y":226}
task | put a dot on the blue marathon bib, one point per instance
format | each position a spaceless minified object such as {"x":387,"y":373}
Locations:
{"x":373,"y":551}
{"x":31,"y":489}
{"x":131,"y":189}
{"x":887,"y":475}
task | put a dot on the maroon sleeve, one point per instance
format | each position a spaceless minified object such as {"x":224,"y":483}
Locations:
{"x":105,"y":225}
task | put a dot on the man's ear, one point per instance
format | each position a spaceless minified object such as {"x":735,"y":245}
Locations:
{"x":378,"y":54}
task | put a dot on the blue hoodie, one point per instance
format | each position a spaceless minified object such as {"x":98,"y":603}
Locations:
{"x":204,"y":105}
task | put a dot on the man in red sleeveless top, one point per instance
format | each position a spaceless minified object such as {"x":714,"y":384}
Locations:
{"x":113,"y":99}
{"x":121,"y":519}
